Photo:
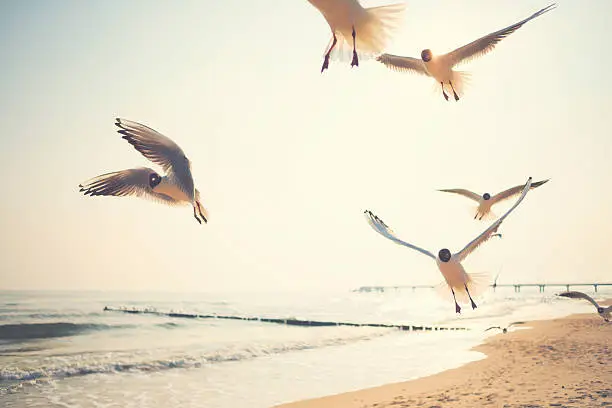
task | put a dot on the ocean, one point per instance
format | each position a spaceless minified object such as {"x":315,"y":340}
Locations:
{"x":61,"y":349}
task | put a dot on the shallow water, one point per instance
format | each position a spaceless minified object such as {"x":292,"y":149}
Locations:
{"x":62,"y":349}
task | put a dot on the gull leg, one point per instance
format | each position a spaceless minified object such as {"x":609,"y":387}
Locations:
{"x":457,"y":308}
{"x":443,"y":93}
{"x":454,"y":93}
{"x":196,"y":215}
{"x":470,"y":296}
{"x":326,"y":60}
{"x":201,"y":213}
{"x":355,"y":61}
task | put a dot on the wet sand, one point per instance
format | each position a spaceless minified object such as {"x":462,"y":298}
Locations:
{"x":558,"y":363}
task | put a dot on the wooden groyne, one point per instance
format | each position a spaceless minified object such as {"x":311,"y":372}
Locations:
{"x":286,"y":321}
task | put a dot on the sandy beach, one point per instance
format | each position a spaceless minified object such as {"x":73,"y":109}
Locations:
{"x":558,"y":363}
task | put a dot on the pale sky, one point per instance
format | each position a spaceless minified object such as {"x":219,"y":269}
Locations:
{"x":287,"y":159}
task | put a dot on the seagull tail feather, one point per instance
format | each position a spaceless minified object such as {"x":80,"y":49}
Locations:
{"x":373,"y":28}
{"x":477,"y":284}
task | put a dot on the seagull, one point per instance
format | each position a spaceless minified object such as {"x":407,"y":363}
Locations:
{"x":440,"y":67}
{"x":505,"y":329}
{"x":459,"y":281}
{"x":496,"y":276}
{"x":367,"y":28}
{"x":486,"y":201}
{"x":604,"y":312}
{"x":175,"y":187}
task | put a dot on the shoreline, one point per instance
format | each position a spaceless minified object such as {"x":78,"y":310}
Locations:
{"x":556,"y":362}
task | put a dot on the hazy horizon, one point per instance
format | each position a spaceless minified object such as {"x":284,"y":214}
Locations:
{"x":287,"y":159}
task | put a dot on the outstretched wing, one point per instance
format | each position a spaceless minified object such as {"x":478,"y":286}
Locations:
{"x":579,"y":295}
{"x":493,"y":327}
{"x":405,"y":64}
{"x":463,"y":192}
{"x":134,"y":182}
{"x":161,"y":150}
{"x":469,"y":248}
{"x":486,"y":44}
{"x":383,"y":229}
{"x":515,"y":324}
{"x":511,"y":192}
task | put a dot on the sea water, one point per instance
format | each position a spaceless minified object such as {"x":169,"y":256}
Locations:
{"x":61,"y":349}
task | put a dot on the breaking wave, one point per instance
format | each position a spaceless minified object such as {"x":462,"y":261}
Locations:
{"x":136,"y":363}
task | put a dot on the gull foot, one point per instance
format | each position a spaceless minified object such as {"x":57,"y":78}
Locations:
{"x":355,"y":61}
{"x":325,"y":63}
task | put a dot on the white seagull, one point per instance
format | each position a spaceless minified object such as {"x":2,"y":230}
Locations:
{"x":176,"y":187}
{"x":486,"y":201}
{"x":505,"y":329}
{"x":604,"y":312}
{"x":367,"y":29}
{"x":440,"y":67}
{"x":457,"y":279}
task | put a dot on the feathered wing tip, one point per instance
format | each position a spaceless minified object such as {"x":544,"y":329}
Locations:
{"x":477,"y":284}
{"x":115,"y":184}
{"x":373,"y":31}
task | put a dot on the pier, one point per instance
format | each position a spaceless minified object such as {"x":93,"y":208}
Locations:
{"x":517,"y":286}
{"x":541,"y":286}
{"x":285,"y":321}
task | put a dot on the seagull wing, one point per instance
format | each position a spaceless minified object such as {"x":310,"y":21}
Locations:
{"x":463,"y":192}
{"x":130,"y":182}
{"x":493,"y":327}
{"x":383,"y":229}
{"x":515,"y":324}
{"x":511,"y":192}
{"x":161,"y":150}
{"x":486,"y":44}
{"x":469,"y":248}
{"x":404,"y":64}
{"x":579,"y":295}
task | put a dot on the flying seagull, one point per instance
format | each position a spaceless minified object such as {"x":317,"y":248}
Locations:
{"x":366,"y":29}
{"x":505,"y":329}
{"x":604,"y":312}
{"x":175,"y":187}
{"x":498,"y":273}
{"x":486,"y":201}
{"x":440,"y":67}
{"x":457,"y":279}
